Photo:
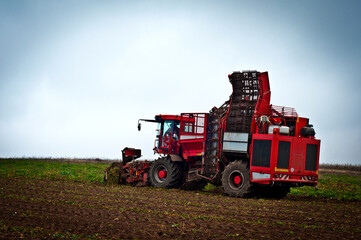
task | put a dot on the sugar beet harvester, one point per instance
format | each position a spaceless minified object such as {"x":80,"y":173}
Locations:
{"x":247,"y":145}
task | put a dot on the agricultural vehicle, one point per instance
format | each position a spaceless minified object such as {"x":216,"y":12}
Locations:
{"x":247,"y":145}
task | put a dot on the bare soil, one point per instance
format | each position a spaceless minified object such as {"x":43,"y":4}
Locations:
{"x":36,"y":209}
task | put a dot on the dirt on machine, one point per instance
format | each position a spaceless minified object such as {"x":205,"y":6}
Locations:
{"x":247,"y":145}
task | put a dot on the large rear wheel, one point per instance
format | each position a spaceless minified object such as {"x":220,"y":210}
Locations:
{"x":236,"y":181}
{"x":164,"y":173}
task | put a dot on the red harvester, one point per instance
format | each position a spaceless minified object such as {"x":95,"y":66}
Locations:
{"x":247,"y":145}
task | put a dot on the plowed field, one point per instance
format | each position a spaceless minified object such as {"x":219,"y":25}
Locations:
{"x":46,"y":209}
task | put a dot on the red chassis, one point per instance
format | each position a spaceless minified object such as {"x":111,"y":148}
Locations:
{"x":275,"y":158}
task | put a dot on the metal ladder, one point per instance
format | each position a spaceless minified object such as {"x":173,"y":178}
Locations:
{"x":212,"y":140}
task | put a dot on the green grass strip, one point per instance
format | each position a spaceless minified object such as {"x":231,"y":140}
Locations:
{"x":342,"y":187}
{"x":53,"y":170}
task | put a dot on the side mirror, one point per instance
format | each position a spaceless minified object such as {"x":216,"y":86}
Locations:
{"x":139,"y":126}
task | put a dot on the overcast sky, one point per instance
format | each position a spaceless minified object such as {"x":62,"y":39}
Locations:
{"x":75,"y":76}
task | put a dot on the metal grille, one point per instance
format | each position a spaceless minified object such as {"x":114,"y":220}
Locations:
{"x":244,"y":99}
{"x":261,"y":153}
{"x":283,"y":159}
{"x":311,"y":157}
{"x":279,"y":111}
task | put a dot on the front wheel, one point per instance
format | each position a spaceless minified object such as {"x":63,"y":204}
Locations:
{"x":164,"y":173}
{"x":236,"y":181}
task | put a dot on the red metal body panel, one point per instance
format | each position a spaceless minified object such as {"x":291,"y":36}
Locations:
{"x":130,"y":154}
{"x":301,"y":122}
{"x":192,"y":135}
{"x":296,"y":171}
{"x":168,"y":117}
{"x":263,"y":103}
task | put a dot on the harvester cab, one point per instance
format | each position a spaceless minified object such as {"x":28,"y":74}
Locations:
{"x":167,"y":137}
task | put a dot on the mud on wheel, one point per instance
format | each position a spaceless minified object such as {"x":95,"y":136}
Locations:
{"x":236,"y":181}
{"x":165,"y":174}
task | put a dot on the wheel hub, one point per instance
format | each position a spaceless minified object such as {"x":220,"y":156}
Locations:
{"x":162,"y":174}
{"x":237,"y":180}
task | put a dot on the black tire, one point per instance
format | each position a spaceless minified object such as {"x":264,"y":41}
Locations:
{"x":173,"y":176}
{"x":236,"y":181}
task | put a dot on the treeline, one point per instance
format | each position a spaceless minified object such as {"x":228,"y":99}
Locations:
{"x":349,"y":167}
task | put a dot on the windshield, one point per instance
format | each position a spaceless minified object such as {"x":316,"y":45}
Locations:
{"x":168,"y":127}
